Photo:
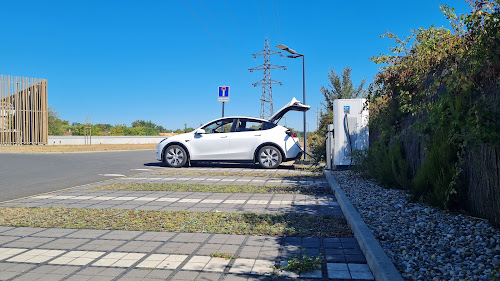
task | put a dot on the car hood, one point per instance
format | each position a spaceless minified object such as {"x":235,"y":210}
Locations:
{"x":293,"y":105}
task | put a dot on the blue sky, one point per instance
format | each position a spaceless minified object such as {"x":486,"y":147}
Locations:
{"x":119,"y":61}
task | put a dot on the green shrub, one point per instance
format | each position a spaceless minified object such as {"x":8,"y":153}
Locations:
{"x":386,"y":165}
{"x":434,"y":182}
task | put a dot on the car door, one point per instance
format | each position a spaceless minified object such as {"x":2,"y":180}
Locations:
{"x":248,"y":135}
{"x":214,"y":143}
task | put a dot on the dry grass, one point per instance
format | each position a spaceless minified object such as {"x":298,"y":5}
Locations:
{"x":75,"y":148}
{"x":254,"y":173}
{"x":177,"y":221}
{"x":182,"y":187}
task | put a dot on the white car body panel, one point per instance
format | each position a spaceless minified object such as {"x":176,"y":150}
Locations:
{"x":209,"y":146}
{"x":242,"y":145}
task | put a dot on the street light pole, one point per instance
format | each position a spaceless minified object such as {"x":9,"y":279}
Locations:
{"x":296,"y":55}
{"x":304,"y":101}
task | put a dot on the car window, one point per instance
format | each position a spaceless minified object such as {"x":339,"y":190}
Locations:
{"x":245,"y":125}
{"x":219,"y":126}
{"x":268,"y":125}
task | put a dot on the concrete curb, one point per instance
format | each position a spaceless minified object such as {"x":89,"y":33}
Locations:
{"x":381,"y":266}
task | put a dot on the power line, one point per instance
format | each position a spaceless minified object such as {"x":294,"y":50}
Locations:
{"x":208,"y":31}
{"x":278,"y":17}
{"x":220,"y":29}
{"x":265,"y":18}
{"x":237,"y":27}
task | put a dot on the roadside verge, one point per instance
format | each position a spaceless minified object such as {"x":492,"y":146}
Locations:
{"x":381,"y":266}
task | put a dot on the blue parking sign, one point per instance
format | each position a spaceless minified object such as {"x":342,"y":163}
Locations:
{"x":223,"y":93}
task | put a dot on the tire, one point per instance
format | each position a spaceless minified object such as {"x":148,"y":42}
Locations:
{"x":269,"y":157}
{"x":175,"y":156}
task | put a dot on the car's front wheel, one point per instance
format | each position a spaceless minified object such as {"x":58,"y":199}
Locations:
{"x":269,"y":157}
{"x":175,"y":156}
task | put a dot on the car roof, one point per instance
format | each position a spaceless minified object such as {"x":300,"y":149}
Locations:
{"x":235,"y":117}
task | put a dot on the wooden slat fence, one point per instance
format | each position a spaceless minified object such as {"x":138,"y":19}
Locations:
{"x":23,"y":110}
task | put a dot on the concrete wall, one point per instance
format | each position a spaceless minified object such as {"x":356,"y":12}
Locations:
{"x":80,"y":140}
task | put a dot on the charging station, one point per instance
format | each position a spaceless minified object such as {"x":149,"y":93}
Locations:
{"x":349,"y":131}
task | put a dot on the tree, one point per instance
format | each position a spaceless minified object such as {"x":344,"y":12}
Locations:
{"x":340,"y":87}
{"x":142,"y":123}
{"x":56,"y":125}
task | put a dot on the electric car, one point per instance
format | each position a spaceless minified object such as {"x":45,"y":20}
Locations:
{"x":235,"y":139}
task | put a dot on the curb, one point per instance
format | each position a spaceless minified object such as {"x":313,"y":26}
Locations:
{"x":380,"y":265}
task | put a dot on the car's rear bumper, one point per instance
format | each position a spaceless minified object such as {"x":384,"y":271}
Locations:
{"x":296,"y":157}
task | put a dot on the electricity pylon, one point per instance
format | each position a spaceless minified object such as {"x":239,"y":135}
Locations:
{"x":266,"y":101}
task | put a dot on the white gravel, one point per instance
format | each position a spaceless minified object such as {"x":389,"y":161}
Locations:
{"x":423,"y":242}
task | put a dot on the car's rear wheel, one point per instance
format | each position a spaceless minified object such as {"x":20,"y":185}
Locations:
{"x":175,"y":156}
{"x":269,"y":157}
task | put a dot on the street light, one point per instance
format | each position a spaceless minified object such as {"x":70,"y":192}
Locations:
{"x":294,"y":56}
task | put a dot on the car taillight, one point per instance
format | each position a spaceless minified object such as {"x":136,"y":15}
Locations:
{"x":294,"y":135}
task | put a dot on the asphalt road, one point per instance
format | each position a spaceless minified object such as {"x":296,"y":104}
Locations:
{"x":23,"y":174}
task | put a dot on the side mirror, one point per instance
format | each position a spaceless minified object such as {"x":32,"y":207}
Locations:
{"x":200,"y":131}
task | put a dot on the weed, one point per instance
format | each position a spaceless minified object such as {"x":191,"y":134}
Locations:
{"x":177,"y":221}
{"x":222,"y":255}
{"x":294,"y":189}
{"x":302,"y":263}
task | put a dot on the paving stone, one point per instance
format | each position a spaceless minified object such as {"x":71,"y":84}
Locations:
{"x":121,"y":235}
{"x":87,"y":233}
{"x":178,"y":248}
{"x":216,"y":264}
{"x":185,"y":275}
{"x":6,"y":253}
{"x":158,"y":274}
{"x":205,"y":276}
{"x":28,"y":242}
{"x":138,"y":246}
{"x":7,"y":239}
{"x":116,"y":259}
{"x":5,"y":275}
{"x":263,"y":267}
{"x":104,"y":245}
{"x":5,"y":228}
{"x":77,"y":258}
{"x":197,"y":263}
{"x":35,"y":256}
{"x":65,"y":243}
{"x":191,"y":237}
{"x":243,"y":266}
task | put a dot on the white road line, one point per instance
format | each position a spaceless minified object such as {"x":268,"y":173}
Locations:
{"x":111,"y":175}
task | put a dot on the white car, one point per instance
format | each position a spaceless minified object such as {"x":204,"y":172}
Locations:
{"x":235,"y":139}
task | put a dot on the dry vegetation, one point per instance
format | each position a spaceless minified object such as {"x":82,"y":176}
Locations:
{"x":178,"y":221}
{"x":75,"y":148}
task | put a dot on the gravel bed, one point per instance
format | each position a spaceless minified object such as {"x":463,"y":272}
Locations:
{"x":423,"y":242}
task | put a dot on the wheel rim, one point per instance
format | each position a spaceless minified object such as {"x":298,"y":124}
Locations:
{"x":269,"y":157}
{"x":175,"y":156}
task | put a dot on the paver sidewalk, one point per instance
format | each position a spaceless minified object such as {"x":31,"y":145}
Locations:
{"x":84,"y":254}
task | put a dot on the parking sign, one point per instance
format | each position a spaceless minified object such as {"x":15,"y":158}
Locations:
{"x":223,"y":93}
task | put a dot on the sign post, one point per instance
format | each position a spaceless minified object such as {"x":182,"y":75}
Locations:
{"x":223,"y":96}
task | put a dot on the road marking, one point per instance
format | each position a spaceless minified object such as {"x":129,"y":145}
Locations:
{"x":111,"y":175}
{"x":140,"y":169}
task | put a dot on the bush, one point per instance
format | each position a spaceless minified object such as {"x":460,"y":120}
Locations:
{"x":386,"y":165}
{"x":434,"y":182}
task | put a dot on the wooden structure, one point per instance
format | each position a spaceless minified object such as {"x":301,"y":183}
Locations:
{"x":23,"y":110}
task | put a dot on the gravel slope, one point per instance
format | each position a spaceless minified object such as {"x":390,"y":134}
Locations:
{"x":424,"y":243}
